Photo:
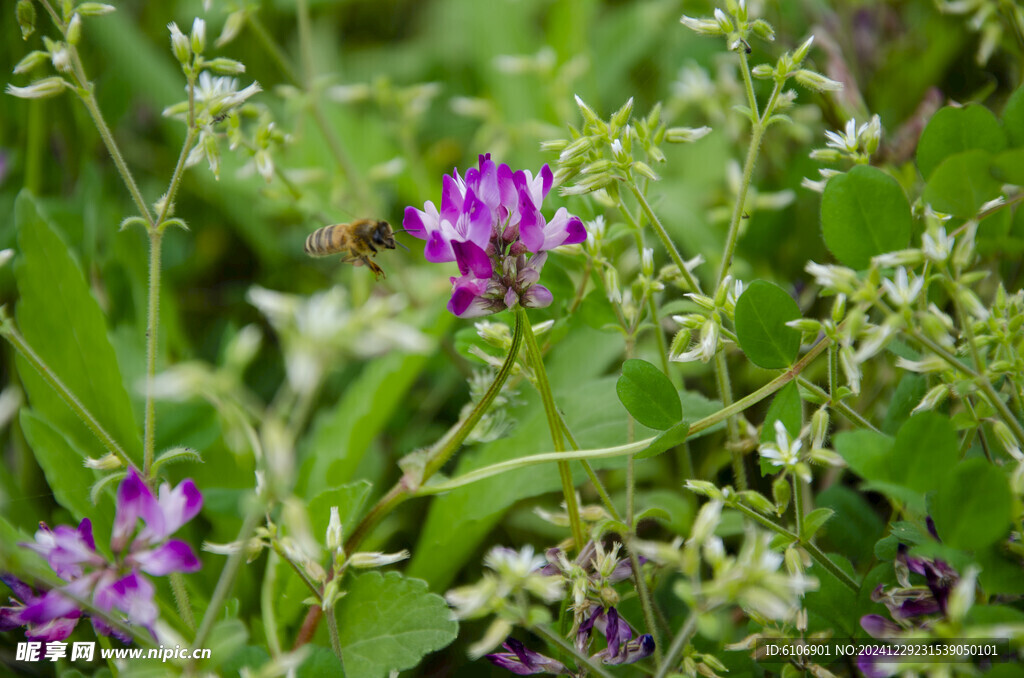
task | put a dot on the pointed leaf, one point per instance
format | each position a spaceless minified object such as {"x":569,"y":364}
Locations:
{"x":813,"y":522}
{"x":648,"y":395}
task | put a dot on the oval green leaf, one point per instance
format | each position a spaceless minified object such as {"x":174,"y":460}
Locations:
{"x":864,"y":213}
{"x":952,"y":130}
{"x":962,"y":183}
{"x":648,"y":395}
{"x":762,"y":312}
{"x":972,"y":507}
{"x":1013,"y":118}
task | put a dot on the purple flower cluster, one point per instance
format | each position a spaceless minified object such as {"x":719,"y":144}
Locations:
{"x":117,"y":587}
{"x":621,"y":647}
{"x":489,"y":221}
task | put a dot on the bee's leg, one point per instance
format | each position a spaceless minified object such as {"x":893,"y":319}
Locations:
{"x":378,"y":272}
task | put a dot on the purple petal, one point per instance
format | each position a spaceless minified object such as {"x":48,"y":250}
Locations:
{"x":475,"y":223}
{"x":576,"y":231}
{"x":531,"y":226}
{"x":524,"y":662}
{"x":878,"y":626}
{"x":511,"y":298}
{"x":872,"y":666}
{"x":472,"y":259}
{"x":21,"y":590}
{"x":413,"y":223}
{"x":48,"y":607}
{"x":132,"y":595}
{"x":508,"y":190}
{"x":537,"y":296}
{"x":487,"y":188}
{"x":547,"y":179}
{"x":918,"y":607}
{"x":85,"y":533}
{"x":178,"y":506}
{"x":51,"y":631}
{"x":451,"y":199}
{"x":466,"y":293}
{"x":134,"y":500}
{"x":438,"y":249}
{"x":174,"y":556}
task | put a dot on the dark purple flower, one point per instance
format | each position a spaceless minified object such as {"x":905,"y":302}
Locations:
{"x":878,"y":626}
{"x":875,"y":666}
{"x":621,"y":648}
{"x":66,"y":549}
{"x":524,"y":662}
{"x":488,"y":222}
{"x":133,"y":597}
{"x":47,"y":629}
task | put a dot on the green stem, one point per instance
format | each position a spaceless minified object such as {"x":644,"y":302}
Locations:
{"x":817,"y":554}
{"x":659,"y":334}
{"x":544,"y":387}
{"x":569,"y":648}
{"x":182,"y":601}
{"x":268,"y":599}
{"x":646,"y":601}
{"x":272,"y":48}
{"x":682,"y":637}
{"x":227,"y":577}
{"x":838,"y":405}
{"x":798,"y":504}
{"x":739,"y":470}
{"x":670,"y":246}
{"x":152,"y":320}
{"x":8,"y":330}
{"x":595,"y":480}
{"x":732,"y":237}
{"x":631,"y":448}
{"x":332,"y":629}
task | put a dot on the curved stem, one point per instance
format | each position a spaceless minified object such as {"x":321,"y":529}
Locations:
{"x":739,"y":471}
{"x":152,"y":321}
{"x":268,"y":598}
{"x":659,"y":229}
{"x":544,"y":387}
{"x":181,"y":600}
{"x":332,"y":630}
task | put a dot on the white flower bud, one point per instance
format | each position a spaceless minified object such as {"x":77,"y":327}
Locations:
{"x":107,"y":462}
{"x":702,"y":26}
{"x":179,"y":44}
{"x":40,"y":89}
{"x":198,"y":36}
{"x":816,"y":81}
{"x":801,"y":52}
{"x":74,"y":30}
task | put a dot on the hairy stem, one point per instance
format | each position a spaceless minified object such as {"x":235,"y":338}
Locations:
{"x":567,"y":647}
{"x":670,"y":246}
{"x":152,"y":320}
{"x":551,"y":411}
{"x":682,"y":637}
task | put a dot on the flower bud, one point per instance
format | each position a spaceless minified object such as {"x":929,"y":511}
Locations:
{"x":782,"y":491}
{"x":932,"y":399}
{"x":74,"y":31}
{"x":684,"y":135}
{"x":801,"y":52}
{"x":198,"y":36}
{"x":762,"y":71}
{"x":1007,"y":440}
{"x":365,"y":560}
{"x":763,"y":30}
{"x":40,"y":89}
{"x":26,"y":13}
{"x":724,"y":22}
{"x":179,"y":44}
{"x":816,"y":81}
{"x":647,"y":262}
{"x":702,"y":26}
{"x":32,"y":60}
{"x":232,"y":25}
{"x":645,"y":169}
{"x":819,"y":427}
{"x":333,"y":538}
{"x":589,"y":115}
{"x":226,"y":66}
{"x":107,"y":462}
{"x":94,"y":9}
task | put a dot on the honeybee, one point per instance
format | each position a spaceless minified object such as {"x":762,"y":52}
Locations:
{"x":360,"y":240}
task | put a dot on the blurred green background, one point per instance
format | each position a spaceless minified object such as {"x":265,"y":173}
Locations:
{"x":412,"y":89}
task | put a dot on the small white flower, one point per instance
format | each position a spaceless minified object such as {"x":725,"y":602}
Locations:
{"x":785,"y":453}
{"x":903,"y":292}
{"x":937,"y":247}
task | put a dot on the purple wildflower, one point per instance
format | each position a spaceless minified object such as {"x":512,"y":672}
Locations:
{"x":55,"y":628}
{"x":488,"y":223}
{"x":524,"y":662}
{"x":621,"y":648}
{"x":111,"y":586}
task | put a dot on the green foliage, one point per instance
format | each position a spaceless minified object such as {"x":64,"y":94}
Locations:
{"x":762,"y":312}
{"x":388,"y":623}
{"x":953,"y":130}
{"x":648,"y":395}
{"x":972,"y":505}
{"x":864,"y":213}
{"x":962,"y":183}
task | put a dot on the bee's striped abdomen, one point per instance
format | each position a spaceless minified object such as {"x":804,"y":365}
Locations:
{"x":321,"y":242}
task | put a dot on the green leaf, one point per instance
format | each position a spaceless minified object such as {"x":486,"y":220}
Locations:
{"x":648,"y":395}
{"x":972,"y":507}
{"x":61,"y":320}
{"x":653,"y":513}
{"x":666,"y":441}
{"x":69,"y":480}
{"x":864,"y":213}
{"x":861,"y":525}
{"x":866,"y":452}
{"x":813,"y":522}
{"x":952,"y":130}
{"x":762,"y":312}
{"x":962,"y":184}
{"x":925,"y":452}
{"x":909,"y":391}
{"x":1008,"y":167}
{"x":388,"y":623}
{"x":1013,"y":117}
